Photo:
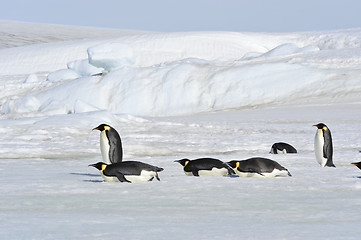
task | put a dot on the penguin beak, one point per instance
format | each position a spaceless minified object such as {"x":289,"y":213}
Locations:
{"x":95,"y":129}
{"x":91,"y":165}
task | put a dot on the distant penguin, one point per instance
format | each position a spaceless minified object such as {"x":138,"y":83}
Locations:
{"x":128,"y":171}
{"x":281,"y":147}
{"x":323,"y":146}
{"x":205,"y":167}
{"x":357,"y":164}
{"x":110,"y":144}
{"x":258,"y":167}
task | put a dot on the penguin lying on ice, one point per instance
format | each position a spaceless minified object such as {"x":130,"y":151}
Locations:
{"x":110,"y":144}
{"x":282,"y":147}
{"x":128,"y":171}
{"x":204,"y":167}
{"x":258,"y":167}
{"x":323,"y":146}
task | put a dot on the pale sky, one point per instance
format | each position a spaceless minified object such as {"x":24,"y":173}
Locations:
{"x":190,"y":15}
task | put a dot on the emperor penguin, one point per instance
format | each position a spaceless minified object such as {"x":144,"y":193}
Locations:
{"x":281,"y":147}
{"x":128,"y":171}
{"x":110,"y":144}
{"x":204,"y":167}
{"x":258,"y":167}
{"x":323,"y":146}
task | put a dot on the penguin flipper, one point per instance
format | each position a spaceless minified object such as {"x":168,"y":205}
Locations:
{"x":231,"y":171}
{"x":327,"y":147}
{"x":249,"y":169}
{"x":252,"y":170}
{"x":113,"y":157}
{"x":121,"y":177}
{"x":195,"y":173}
{"x":329,"y":163}
{"x":327,"y":153}
{"x":115,"y":146}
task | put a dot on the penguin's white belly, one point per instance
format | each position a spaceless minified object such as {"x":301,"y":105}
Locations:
{"x":144,"y":176}
{"x":104,"y":147}
{"x":213,"y":172}
{"x":188,"y":173}
{"x":319,"y":142}
{"x":109,"y":179}
{"x":274,"y":173}
{"x":281,"y":152}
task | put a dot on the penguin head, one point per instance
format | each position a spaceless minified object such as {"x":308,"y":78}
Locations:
{"x":183,"y":162}
{"x":321,"y":126}
{"x":102,"y":127}
{"x":357,"y":164}
{"x":233,"y":164}
{"x":100,"y":165}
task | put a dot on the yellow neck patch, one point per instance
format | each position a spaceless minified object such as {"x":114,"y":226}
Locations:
{"x":103,"y":166}
{"x":185,"y":163}
{"x":106,"y":128}
{"x":237,"y":164}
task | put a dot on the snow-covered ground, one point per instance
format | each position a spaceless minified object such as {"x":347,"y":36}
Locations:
{"x":174,"y":95}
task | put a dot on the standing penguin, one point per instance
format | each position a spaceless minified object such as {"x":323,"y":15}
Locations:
{"x":110,"y":144}
{"x":323,"y":146}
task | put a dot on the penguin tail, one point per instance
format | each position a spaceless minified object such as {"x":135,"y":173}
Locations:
{"x":330,"y":164}
{"x":289,"y":174}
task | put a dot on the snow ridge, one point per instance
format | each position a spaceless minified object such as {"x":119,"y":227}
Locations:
{"x":162,"y":74}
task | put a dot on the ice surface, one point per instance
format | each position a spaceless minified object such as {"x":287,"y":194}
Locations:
{"x":110,"y":56}
{"x":201,"y":94}
{"x":62,"y":74}
{"x":84,"y":68}
{"x":184,"y":78}
{"x":16,"y":34}
{"x":32,"y":78}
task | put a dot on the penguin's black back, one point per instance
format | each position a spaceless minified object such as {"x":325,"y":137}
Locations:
{"x":328,"y":147}
{"x":115,"y":146}
{"x":281,"y":146}
{"x":206,"y":164}
{"x":129,"y":168}
{"x":259,"y":164}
